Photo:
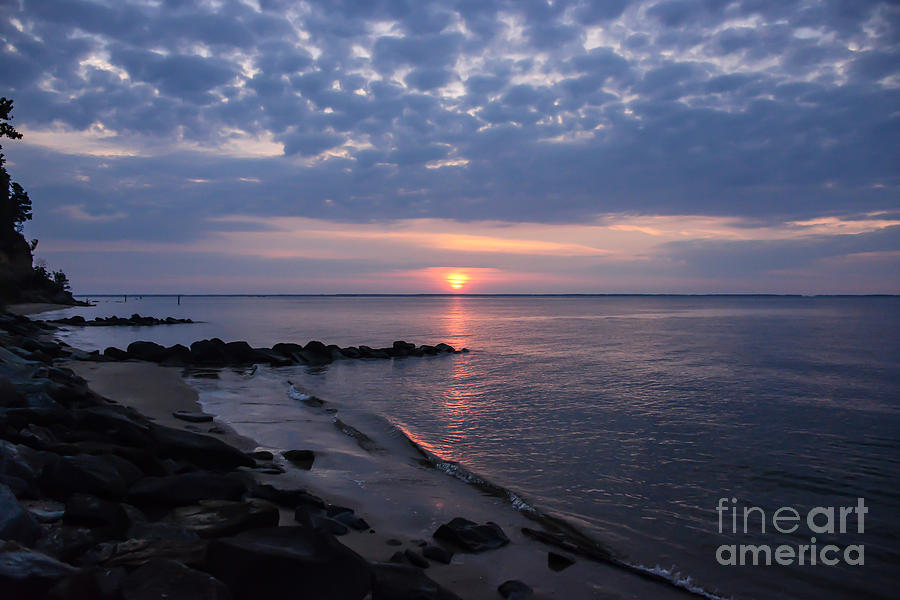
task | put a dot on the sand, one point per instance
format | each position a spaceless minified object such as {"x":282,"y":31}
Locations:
{"x":157,"y":391}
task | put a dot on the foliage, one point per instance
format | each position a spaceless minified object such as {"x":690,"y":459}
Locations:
{"x":16,"y":205}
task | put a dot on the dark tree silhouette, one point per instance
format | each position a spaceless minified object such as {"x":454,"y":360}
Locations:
{"x":16,"y":207}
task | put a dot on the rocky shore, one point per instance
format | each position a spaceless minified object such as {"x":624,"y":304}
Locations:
{"x":100,"y":501}
{"x":134,"y":320}
{"x":216,"y":353}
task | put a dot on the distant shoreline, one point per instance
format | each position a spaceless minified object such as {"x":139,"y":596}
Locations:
{"x":747,"y":295}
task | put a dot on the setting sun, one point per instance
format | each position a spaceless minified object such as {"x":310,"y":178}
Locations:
{"x":457,"y":280}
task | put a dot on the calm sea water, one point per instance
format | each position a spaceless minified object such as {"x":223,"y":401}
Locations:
{"x":629,"y":416}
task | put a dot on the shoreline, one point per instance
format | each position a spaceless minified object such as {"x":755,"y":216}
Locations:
{"x":156,"y":391}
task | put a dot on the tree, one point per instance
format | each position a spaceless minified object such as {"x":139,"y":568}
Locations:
{"x":16,"y":205}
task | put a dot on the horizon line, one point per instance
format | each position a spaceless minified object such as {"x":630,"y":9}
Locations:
{"x":453,"y":295}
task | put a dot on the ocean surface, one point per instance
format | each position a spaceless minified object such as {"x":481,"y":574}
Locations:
{"x":629,"y":417}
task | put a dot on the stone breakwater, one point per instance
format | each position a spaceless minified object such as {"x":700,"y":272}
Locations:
{"x":134,"y":320}
{"x":98,"y":501}
{"x":215,"y":352}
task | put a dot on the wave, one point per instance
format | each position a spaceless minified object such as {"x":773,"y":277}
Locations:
{"x":559,"y":532}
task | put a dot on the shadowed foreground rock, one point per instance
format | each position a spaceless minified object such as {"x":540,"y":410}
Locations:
{"x":289,"y":562}
{"x":470,"y":536}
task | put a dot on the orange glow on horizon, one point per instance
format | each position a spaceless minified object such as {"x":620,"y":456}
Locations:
{"x":457,"y":280}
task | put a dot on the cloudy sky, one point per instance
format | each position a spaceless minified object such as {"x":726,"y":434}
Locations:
{"x":508,"y":146}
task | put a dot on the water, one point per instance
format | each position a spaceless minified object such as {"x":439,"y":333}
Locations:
{"x":630,"y":417}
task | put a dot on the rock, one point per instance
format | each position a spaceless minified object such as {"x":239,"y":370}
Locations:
{"x":84,"y":473}
{"x":262,"y":455}
{"x":216,"y":518}
{"x":149,"y":351}
{"x":16,"y":523}
{"x":240,"y":352}
{"x":320,"y":523}
{"x":442,"y":347}
{"x":282,"y":562}
{"x":45,"y":511}
{"x":415,"y":559}
{"x":558,"y":562}
{"x":264,"y":355}
{"x":350,"y":352}
{"x":208,"y":352}
{"x":177,"y":355}
{"x":192,"y":417}
{"x":316,"y":353}
{"x":186,"y":488}
{"x":302,"y":459}
{"x":115,"y":423}
{"x":160,"y":530}
{"x":164,"y":578}
{"x":21,"y":462}
{"x":109,"y":518}
{"x":292,"y":498}
{"x":352,"y":520}
{"x":135,"y":552}
{"x":402,"y":582}
{"x":470,"y":536}
{"x":25,"y":573}
{"x":515,"y":590}
{"x":437,"y":554}
{"x":205,"y":451}
{"x":115,"y":354}
{"x":287,"y":350}
{"x":394,"y":542}
{"x":428,"y":350}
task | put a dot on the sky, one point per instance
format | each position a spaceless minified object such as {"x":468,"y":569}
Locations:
{"x":480,"y":146}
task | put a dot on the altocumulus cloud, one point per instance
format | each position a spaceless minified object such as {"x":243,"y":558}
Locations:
{"x":509,"y":111}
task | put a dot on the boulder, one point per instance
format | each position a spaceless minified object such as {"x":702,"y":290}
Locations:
{"x":25,"y":573}
{"x":515,"y":590}
{"x":178,"y":355}
{"x":115,"y":354}
{"x":470,"y":536}
{"x":239,"y":352}
{"x":437,"y":554}
{"x":266,"y":356}
{"x":282,"y":562}
{"x":136,"y":552}
{"x":149,"y":351}
{"x":217,"y":518}
{"x":202,"y":450}
{"x":350,"y":352}
{"x":352,"y":520}
{"x":558,"y":562}
{"x":415,"y":559}
{"x":192,"y":417}
{"x":315,"y":353}
{"x":442,"y":347}
{"x":402,"y":582}
{"x":210,"y":352}
{"x":287,"y":350}
{"x":302,"y":459}
{"x":16,"y":523}
{"x":292,"y":498}
{"x":164,"y":578}
{"x":84,"y":473}
{"x":109,"y":518}
{"x":185,"y":489}
{"x":21,"y":462}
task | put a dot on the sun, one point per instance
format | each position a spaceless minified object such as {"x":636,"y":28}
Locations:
{"x":457,"y":280}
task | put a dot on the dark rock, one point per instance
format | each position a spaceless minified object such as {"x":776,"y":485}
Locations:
{"x":115,"y":354}
{"x":437,"y":554}
{"x":160,"y":530}
{"x":115,"y":423}
{"x":193,"y":417}
{"x":177,"y":355}
{"x":558,"y":562}
{"x":515,"y":590}
{"x":45,"y":511}
{"x":415,"y":559}
{"x":352,"y":520}
{"x":66,"y":543}
{"x":402,"y":582}
{"x":264,"y":355}
{"x":135,"y":552}
{"x":205,"y":451}
{"x":210,"y":352}
{"x":287,"y":350}
{"x":21,"y":462}
{"x":321,"y":523}
{"x":25,"y":573}
{"x":109,"y":518}
{"x":84,"y":473}
{"x":350,"y":352}
{"x":149,"y":351}
{"x":428,"y":350}
{"x":292,"y":498}
{"x":470,"y":536}
{"x":262,"y":455}
{"x":394,"y":542}
{"x":398,"y":558}
{"x":239,"y":352}
{"x":16,"y":523}
{"x":442,"y":347}
{"x":163,"y":578}
{"x":186,"y":488}
{"x":216,"y":518}
{"x":302,"y":459}
{"x":283,"y":562}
